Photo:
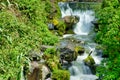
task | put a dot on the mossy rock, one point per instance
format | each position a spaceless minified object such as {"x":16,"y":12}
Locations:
{"x":79,"y":49}
{"x":69,"y":32}
{"x":61,"y":75}
{"x":46,"y":56}
{"x":70,"y":21}
{"x":68,"y":54}
{"x":53,"y":63}
{"x":69,"y":57}
{"x":89,"y":61}
{"x":60,"y":27}
{"x":75,"y":56}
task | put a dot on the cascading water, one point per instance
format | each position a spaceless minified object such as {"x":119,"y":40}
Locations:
{"x":83,"y":27}
{"x":84,"y":32}
{"x":85,"y":20}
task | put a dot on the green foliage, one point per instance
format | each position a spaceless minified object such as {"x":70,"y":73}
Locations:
{"x":60,"y":75}
{"x":61,"y":27}
{"x":110,"y":3}
{"x":89,"y":61}
{"x":21,"y":33}
{"x":35,"y":13}
{"x":109,"y":36}
{"x":50,"y":51}
{"x":52,"y":59}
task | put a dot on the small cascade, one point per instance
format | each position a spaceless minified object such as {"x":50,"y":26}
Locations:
{"x":83,"y":32}
{"x":83,"y":27}
{"x":80,"y":71}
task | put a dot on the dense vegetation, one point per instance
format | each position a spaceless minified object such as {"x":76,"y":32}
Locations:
{"x":109,"y":36}
{"x":23,"y":28}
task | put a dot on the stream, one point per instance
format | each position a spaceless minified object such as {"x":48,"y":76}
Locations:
{"x":84,"y":32}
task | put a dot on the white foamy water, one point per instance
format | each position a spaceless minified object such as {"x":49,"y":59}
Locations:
{"x":84,"y":77}
{"x":83,"y":27}
{"x":78,"y":70}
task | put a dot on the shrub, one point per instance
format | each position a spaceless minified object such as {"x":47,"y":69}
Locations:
{"x":60,"y":75}
{"x":19,"y":35}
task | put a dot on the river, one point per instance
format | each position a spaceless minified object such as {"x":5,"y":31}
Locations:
{"x":84,"y":31}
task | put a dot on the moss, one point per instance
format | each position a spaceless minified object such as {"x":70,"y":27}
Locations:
{"x":79,"y":49}
{"x":61,"y":27}
{"x":89,"y":61}
{"x":70,"y":32}
{"x":60,"y":75}
{"x":51,"y":59}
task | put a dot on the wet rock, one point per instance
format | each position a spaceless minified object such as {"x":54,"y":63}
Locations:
{"x":96,"y":25}
{"x":89,"y":61}
{"x":35,"y":55}
{"x":51,"y":26}
{"x":99,"y":52}
{"x":79,"y":49}
{"x":46,"y":73}
{"x":67,"y":55}
{"x":64,"y":25}
{"x":38,"y":71}
{"x":71,"y":19}
{"x":70,"y":49}
{"x":35,"y":72}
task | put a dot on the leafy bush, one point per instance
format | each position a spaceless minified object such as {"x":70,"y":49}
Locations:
{"x":109,"y":36}
{"x":52,"y":59}
{"x":60,"y":75}
{"x":21,"y":33}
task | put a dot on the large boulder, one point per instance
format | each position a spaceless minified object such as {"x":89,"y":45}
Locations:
{"x":38,"y":71}
{"x":67,"y":55}
{"x":64,"y":25}
{"x":71,"y":19}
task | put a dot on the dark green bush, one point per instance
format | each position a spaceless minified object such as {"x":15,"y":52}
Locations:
{"x":109,"y":36}
{"x":60,"y":75}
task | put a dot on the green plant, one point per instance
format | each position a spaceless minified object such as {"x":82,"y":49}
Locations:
{"x":61,"y":75}
{"x":52,"y":59}
{"x":21,"y":33}
{"x":108,"y":35}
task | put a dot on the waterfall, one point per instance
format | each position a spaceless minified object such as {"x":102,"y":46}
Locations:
{"x":83,"y":27}
{"x":84,"y":32}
